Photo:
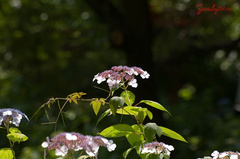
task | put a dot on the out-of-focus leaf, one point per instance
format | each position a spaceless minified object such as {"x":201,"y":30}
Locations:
{"x":14,"y":130}
{"x":6,"y":153}
{"x":17,"y":137}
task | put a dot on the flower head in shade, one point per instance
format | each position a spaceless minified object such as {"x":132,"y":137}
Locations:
{"x":157,"y":148}
{"x":11,"y":116}
{"x":66,"y":141}
{"x":225,"y":155}
{"x":121,"y":74}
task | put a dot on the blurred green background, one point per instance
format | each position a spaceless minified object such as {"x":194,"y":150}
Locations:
{"x":52,"y":48}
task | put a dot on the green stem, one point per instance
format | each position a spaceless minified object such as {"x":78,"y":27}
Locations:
{"x":10,"y":142}
{"x":80,"y":153}
{"x":60,"y":113}
{"x":125,"y":89}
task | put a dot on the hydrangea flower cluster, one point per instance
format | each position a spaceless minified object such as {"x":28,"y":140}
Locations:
{"x":12,"y":116}
{"x":225,"y":155}
{"x":67,"y":141}
{"x":157,"y":148}
{"x":121,"y":74}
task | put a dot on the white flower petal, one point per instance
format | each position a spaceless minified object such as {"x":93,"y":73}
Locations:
{"x":8,"y":112}
{"x":78,"y":148}
{"x":223,"y":154}
{"x":133,"y":83}
{"x":1,"y":119}
{"x":92,"y":149}
{"x":111,"y":147}
{"x":105,"y":141}
{"x":215,"y":153}
{"x":148,"y":150}
{"x":71,"y":137}
{"x":62,"y":151}
{"x":169,"y":147}
{"x":234,"y":157}
{"x":145,"y":75}
{"x":99,"y":78}
{"x":44,"y":144}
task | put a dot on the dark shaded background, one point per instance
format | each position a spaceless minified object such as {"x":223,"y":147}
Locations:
{"x":51,"y":48}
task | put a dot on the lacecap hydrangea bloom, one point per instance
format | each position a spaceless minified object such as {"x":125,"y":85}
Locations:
{"x":71,"y":141}
{"x":11,"y":116}
{"x":121,"y":74}
{"x":157,"y":148}
{"x":225,"y":155}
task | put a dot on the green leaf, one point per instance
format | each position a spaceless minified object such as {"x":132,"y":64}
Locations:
{"x":117,"y":130}
{"x":128,"y":110}
{"x":114,"y":102}
{"x":155,"y":156}
{"x":6,"y":153}
{"x":125,"y":154}
{"x":141,"y":115}
{"x":146,"y":156}
{"x":74,"y":96}
{"x":138,"y":112}
{"x":149,"y":113}
{"x":155,"y":105}
{"x":14,"y":130}
{"x":129,"y":97}
{"x":166,"y":156}
{"x":17,"y":137}
{"x":150,"y":130}
{"x":103,"y":115}
{"x":159,"y":131}
{"x":96,"y":105}
{"x":134,"y":139}
{"x":143,"y":112}
{"x":143,"y":155}
{"x":137,"y":129}
{"x":102,"y":100}
{"x":172,"y":134}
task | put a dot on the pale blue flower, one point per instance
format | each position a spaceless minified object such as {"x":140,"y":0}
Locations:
{"x":11,"y":116}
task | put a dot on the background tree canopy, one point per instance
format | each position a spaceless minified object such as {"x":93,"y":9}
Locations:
{"x":51,"y":48}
